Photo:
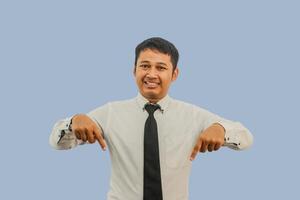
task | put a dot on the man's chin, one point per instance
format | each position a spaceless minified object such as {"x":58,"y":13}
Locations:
{"x":151,"y":96}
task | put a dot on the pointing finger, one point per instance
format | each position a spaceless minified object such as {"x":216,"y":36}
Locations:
{"x":195,"y":150}
{"x":99,"y":138}
{"x":194,"y":153}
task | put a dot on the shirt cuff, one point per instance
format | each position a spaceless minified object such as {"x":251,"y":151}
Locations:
{"x":64,"y":128}
{"x":237,"y":137}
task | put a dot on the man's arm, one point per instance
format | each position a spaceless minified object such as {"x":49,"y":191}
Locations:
{"x":216,"y":132}
{"x":223,"y":133}
{"x":79,"y":129}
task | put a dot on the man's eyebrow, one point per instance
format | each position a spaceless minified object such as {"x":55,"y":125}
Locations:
{"x":161,"y":63}
{"x":145,"y":61}
{"x":158,"y":63}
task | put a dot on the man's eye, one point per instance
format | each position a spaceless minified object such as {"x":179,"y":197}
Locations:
{"x":161,"y":68}
{"x":144,"y":66}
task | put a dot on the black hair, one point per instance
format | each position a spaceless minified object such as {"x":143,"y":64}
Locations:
{"x":161,"y":45}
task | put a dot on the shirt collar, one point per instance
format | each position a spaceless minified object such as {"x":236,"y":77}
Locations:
{"x":163,"y":103}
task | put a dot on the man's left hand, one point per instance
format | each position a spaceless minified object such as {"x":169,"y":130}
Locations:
{"x":210,"y":139}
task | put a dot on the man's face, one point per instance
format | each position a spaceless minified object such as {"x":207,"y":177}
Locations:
{"x":154,"y":74}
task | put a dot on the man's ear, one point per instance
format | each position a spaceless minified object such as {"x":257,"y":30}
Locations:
{"x":134,"y":70}
{"x":175,"y":74}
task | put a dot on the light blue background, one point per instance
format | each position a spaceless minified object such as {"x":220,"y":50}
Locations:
{"x":239,"y":59}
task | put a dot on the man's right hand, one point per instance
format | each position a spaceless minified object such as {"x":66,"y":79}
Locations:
{"x":86,"y":129}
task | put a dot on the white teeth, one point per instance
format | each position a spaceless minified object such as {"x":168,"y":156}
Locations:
{"x":151,"y":84}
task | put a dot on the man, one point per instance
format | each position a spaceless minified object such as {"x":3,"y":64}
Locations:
{"x":152,"y":138}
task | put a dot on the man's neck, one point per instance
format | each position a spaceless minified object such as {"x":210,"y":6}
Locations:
{"x":154,"y":100}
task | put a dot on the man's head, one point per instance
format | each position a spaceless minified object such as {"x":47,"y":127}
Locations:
{"x":155,"y":67}
{"x":158,"y":44}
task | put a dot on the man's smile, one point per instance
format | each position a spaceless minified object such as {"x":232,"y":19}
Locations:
{"x":151,"y":84}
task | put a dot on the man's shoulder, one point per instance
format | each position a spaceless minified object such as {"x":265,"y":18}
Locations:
{"x":124,"y":103}
{"x":187,"y":107}
{"x":183,"y":104}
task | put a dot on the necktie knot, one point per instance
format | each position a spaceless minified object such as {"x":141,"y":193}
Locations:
{"x":151,"y":108}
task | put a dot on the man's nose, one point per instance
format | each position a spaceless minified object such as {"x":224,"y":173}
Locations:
{"x":152,"y":72}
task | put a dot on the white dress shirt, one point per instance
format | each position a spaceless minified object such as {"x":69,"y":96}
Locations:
{"x":179,"y":125}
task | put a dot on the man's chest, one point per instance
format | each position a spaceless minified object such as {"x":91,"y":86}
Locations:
{"x":176,"y":135}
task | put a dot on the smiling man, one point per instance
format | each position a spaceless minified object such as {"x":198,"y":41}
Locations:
{"x":154,"y":73}
{"x":152,"y":138}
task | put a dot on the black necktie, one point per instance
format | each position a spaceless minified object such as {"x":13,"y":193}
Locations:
{"x":152,"y":178}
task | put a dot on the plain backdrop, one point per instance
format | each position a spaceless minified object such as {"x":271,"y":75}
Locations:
{"x":238,"y":59}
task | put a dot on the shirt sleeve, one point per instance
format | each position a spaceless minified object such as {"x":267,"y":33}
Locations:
{"x":237,"y":136}
{"x":61,"y":138}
